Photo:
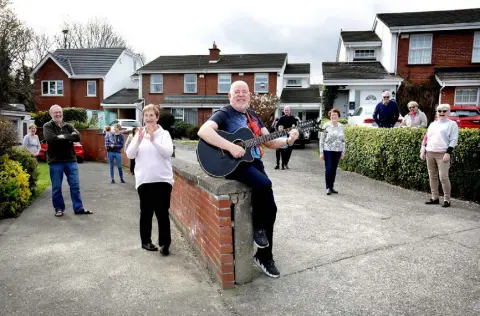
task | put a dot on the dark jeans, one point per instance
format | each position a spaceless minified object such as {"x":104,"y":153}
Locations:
{"x":132,"y":165}
{"x":57,"y":169}
{"x":264,"y":209}
{"x":281,"y":152}
{"x":331,"y":163}
{"x":155,"y":198}
{"x":288,"y":154}
{"x":112,"y":156}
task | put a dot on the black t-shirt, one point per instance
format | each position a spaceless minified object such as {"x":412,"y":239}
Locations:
{"x":287,"y":121}
{"x":229,"y":120}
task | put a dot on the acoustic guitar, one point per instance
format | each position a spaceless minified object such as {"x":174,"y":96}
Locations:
{"x":218,"y":162}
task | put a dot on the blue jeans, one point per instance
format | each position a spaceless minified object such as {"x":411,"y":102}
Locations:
{"x":331,"y":164}
{"x":57,"y":169}
{"x":112,"y":156}
{"x":264,"y":208}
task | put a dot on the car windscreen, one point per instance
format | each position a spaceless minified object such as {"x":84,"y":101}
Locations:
{"x":131,"y":124}
{"x":464,"y":113}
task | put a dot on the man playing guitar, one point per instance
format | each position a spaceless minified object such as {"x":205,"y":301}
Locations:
{"x":264,"y":210}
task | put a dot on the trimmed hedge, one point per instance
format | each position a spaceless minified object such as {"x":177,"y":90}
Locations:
{"x":393,"y":155}
{"x":29,"y":164}
{"x":69,"y":115}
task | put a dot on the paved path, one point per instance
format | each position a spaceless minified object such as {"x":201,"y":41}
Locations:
{"x":373,"y":249}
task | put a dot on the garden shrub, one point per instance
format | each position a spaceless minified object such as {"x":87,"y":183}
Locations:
{"x":8,"y":136}
{"x":28,"y":163}
{"x":14,"y":191}
{"x":69,"y":115}
{"x":192,"y":132}
{"x":180,"y":129}
{"x":167,"y":120}
{"x":393,"y":155}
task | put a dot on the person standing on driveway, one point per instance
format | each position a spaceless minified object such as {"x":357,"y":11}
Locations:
{"x":414,"y":118}
{"x":114,"y":143}
{"x":129,"y":139}
{"x":61,"y":159}
{"x":31,"y":141}
{"x":280,"y":152}
{"x":386,"y":112}
{"x":152,"y":149}
{"x":287,"y":121}
{"x":332,"y":148}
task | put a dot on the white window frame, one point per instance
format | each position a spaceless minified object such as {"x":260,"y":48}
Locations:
{"x":154,"y":83}
{"x":457,"y":90}
{"x":92,"y":94}
{"x":257,"y":76}
{"x":56,"y":88}
{"x":297,"y":85}
{"x":220,"y":83}
{"x":185,"y":83}
{"x":476,"y":48}
{"x":177,"y":117}
{"x":364,"y":54}
{"x":424,"y":48}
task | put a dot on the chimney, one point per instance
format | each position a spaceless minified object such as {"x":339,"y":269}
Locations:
{"x":214,"y":53}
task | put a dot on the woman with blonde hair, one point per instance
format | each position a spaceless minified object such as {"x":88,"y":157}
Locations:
{"x":437,"y":146}
{"x":414,"y":118}
{"x":31,"y":141}
{"x":152,"y":149}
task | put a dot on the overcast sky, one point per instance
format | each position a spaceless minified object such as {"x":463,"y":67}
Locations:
{"x":307,"y":31}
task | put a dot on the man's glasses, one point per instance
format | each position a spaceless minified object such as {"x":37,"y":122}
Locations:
{"x":442,"y":111}
{"x":386,"y":97}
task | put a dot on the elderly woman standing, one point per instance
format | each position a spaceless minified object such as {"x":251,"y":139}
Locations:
{"x":31,"y":141}
{"x":414,"y":118}
{"x":129,"y":139}
{"x":152,"y":149}
{"x":332,"y":148}
{"x":437,"y":146}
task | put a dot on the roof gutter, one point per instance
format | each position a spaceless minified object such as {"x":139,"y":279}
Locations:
{"x":436,"y":27}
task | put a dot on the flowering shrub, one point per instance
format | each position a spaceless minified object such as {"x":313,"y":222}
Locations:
{"x":14,"y":187}
{"x":264,"y":106}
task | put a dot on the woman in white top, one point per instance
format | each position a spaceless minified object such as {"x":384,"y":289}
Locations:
{"x":437,"y":146}
{"x":31,"y":141}
{"x":332,"y":147}
{"x":152,"y":149}
{"x":414,"y":118}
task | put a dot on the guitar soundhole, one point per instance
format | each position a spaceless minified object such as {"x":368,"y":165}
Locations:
{"x":240,"y":143}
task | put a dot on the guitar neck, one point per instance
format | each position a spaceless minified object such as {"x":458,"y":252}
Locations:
{"x":266,"y":138}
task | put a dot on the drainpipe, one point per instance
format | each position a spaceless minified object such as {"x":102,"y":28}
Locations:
{"x":440,"y":94}
{"x":396,"y":52}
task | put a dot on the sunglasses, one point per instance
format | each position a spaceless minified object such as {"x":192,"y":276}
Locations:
{"x":412,"y":107}
{"x":386,"y":97}
{"x":442,"y":111}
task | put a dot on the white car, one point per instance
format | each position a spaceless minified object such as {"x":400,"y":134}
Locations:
{"x":363,"y":116}
{"x":126,"y":124}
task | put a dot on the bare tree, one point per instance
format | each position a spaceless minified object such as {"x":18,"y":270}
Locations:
{"x":94,"y":34}
{"x":41,"y":45}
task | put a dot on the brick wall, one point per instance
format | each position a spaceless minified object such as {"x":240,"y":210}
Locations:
{"x":205,"y":219}
{"x":173,"y":85}
{"x":80,"y":98}
{"x":50,"y":71}
{"x":449,"y":49}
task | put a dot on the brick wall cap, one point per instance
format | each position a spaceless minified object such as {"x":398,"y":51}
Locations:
{"x":217,"y":186}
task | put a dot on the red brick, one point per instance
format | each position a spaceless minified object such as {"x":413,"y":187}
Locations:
{"x":224,"y":203}
{"x":226,"y":239}
{"x":228,"y":277}
{"x":227,"y":249}
{"x":226,"y":258}
{"x":225,"y":231}
{"x":228,"y":285}
{"x":224,"y":212}
{"x":228,"y":268}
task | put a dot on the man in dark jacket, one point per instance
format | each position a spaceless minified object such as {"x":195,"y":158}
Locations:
{"x":287,"y":121}
{"x":386,"y":112}
{"x":61,"y":159}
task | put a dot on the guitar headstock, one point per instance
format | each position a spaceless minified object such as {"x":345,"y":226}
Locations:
{"x":310,"y":125}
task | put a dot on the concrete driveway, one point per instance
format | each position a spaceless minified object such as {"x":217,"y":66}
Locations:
{"x":373,"y":249}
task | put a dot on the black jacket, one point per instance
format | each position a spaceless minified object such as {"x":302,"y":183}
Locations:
{"x":60,"y":149}
{"x":287,"y":121}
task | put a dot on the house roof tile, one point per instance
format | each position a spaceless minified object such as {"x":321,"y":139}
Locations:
{"x":359,"y":36}
{"x":355,"y":70}
{"x":297,"y":69}
{"x":301,"y":95}
{"x":124,"y":96}
{"x":430,"y":17}
{"x":88,"y":61}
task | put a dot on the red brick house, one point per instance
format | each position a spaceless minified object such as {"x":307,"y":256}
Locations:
{"x":412,"y":46}
{"x":89,"y":78}
{"x":193,"y":86}
{"x":445,"y":44}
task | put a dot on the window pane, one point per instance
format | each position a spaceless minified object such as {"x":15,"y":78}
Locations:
{"x":53,"y":87}
{"x":91,"y":88}
{"x":224,"y":82}
{"x":191,"y":116}
{"x":178,"y":114}
{"x":261,"y":82}
{"x":157,"y":88}
{"x":466,"y":96}
{"x":45,"y":87}
{"x":60,"y":87}
{"x":190,"y":81}
{"x":156,"y":79}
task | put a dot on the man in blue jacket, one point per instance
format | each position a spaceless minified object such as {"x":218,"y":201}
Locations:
{"x":386,"y":112}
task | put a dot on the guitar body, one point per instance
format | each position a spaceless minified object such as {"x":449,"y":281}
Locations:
{"x":219,"y":163}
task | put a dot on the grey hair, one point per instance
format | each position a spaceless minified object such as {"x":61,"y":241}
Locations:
{"x":412,"y":103}
{"x":54,"y":106}
{"x":444,"y":106}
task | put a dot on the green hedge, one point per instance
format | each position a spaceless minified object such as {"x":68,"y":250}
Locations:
{"x":69,"y":115}
{"x":28,"y":163}
{"x":393,"y":155}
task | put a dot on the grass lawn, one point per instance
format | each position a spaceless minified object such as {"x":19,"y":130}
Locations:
{"x":187,"y":142}
{"x":43,"y":178}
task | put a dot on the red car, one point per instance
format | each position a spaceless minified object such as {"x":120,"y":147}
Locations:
{"x":79,"y":152}
{"x":466,"y":116}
